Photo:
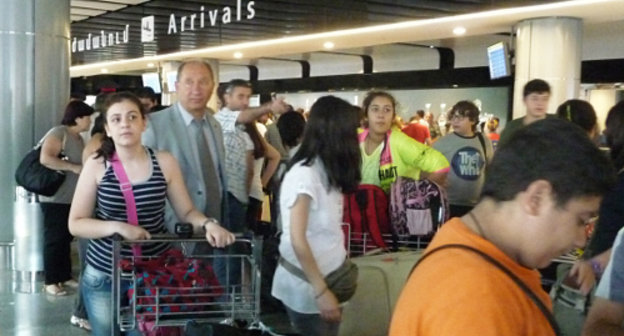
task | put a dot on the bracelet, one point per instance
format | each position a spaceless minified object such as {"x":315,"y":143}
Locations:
{"x":595,"y":267}
{"x":208,"y":221}
{"x":321,"y":293}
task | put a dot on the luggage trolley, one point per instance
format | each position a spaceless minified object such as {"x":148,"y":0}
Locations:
{"x":162,"y":306}
{"x":361,"y":243}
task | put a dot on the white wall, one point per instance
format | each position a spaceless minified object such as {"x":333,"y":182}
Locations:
{"x":494,"y":100}
{"x":603,"y":41}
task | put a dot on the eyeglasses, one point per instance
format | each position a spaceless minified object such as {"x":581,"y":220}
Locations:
{"x":590,"y":220}
{"x":457,"y":117}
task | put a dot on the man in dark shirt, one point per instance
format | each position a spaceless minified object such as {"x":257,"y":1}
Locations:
{"x":536,"y":95}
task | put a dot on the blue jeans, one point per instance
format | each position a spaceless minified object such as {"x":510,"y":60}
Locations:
{"x":79,"y":308}
{"x":228,"y":271}
{"x":312,"y":324}
{"x":96,"y":287}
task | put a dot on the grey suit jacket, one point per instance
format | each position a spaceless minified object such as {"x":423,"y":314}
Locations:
{"x":166,"y":131}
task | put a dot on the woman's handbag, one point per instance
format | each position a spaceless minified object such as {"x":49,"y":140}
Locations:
{"x":342,"y":281}
{"x":37,"y":178}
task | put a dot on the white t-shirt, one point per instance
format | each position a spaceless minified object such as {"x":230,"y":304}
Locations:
{"x":324,"y":234}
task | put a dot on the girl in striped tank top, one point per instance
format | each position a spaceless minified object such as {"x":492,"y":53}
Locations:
{"x":98,"y":209}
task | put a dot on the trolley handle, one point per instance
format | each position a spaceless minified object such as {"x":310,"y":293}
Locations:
{"x":241,"y":237}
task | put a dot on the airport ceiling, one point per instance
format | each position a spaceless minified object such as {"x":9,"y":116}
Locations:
{"x":272,"y":19}
{"x":230,"y":23}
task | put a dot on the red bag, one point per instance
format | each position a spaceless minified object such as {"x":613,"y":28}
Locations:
{"x":178,"y":283}
{"x":366,"y":210}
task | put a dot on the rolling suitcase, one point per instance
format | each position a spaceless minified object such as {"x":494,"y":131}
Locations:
{"x":381,"y":279}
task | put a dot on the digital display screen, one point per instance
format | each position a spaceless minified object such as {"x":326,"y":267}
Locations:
{"x":498,"y":61}
{"x":152,"y":80}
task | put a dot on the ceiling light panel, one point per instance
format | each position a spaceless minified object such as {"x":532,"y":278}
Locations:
{"x":86,"y":11}
{"x":106,"y":6}
{"x":78,"y":17}
{"x":128,"y":2}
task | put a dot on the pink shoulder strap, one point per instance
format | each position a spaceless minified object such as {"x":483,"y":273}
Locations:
{"x":126,"y":190}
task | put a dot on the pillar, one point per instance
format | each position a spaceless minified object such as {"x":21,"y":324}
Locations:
{"x":549,"y":49}
{"x":34,"y":89}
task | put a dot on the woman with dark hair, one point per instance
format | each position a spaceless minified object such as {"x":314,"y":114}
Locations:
{"x":97,"y":213}
{"x":581,"y":113}
{"x":388,"y":153}
{"x":326,"y":165}
{"x":98,"y":133}
{"x":469,"y":152}
{"x":62,"y":150}
{"x":261,"y":174}
{"x":611,"y":214}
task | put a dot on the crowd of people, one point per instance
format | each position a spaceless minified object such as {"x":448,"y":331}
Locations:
{"x":518,"y":199}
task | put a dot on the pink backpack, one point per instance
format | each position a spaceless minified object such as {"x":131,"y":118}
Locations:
{"x":417,"y":208}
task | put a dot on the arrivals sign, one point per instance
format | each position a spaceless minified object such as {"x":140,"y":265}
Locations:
{"x":202,"y":19}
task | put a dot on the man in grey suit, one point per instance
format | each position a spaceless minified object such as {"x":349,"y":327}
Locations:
{"x":188,"y":130}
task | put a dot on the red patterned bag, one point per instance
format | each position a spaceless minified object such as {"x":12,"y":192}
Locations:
{"x":178,"y":283}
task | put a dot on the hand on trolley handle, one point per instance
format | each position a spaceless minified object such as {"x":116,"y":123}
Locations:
{"x":216,"y":235}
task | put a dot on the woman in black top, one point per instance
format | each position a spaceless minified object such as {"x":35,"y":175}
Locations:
{"x":611,"y":214}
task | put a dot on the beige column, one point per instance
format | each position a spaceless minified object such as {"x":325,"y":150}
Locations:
{"x":550,"y":49}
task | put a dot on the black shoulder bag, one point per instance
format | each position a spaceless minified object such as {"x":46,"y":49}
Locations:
{"x":37,"y":178}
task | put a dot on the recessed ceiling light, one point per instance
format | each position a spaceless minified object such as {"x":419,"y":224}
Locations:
{"x":104,"y":70}
{"x":238,"y":55}
{"x":459,"y":30}
{"x":150,"y":65}
{"x":328,"y":45}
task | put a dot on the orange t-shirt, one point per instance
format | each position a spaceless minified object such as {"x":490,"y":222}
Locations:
{"x":456,"y":292}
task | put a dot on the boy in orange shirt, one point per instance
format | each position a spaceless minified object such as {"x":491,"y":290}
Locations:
{"x":542,"y":187}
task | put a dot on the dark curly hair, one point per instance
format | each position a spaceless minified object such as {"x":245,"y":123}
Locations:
{"x":107,"y":148}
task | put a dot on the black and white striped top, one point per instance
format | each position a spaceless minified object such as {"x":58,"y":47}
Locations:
{"x":150,"y":198}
